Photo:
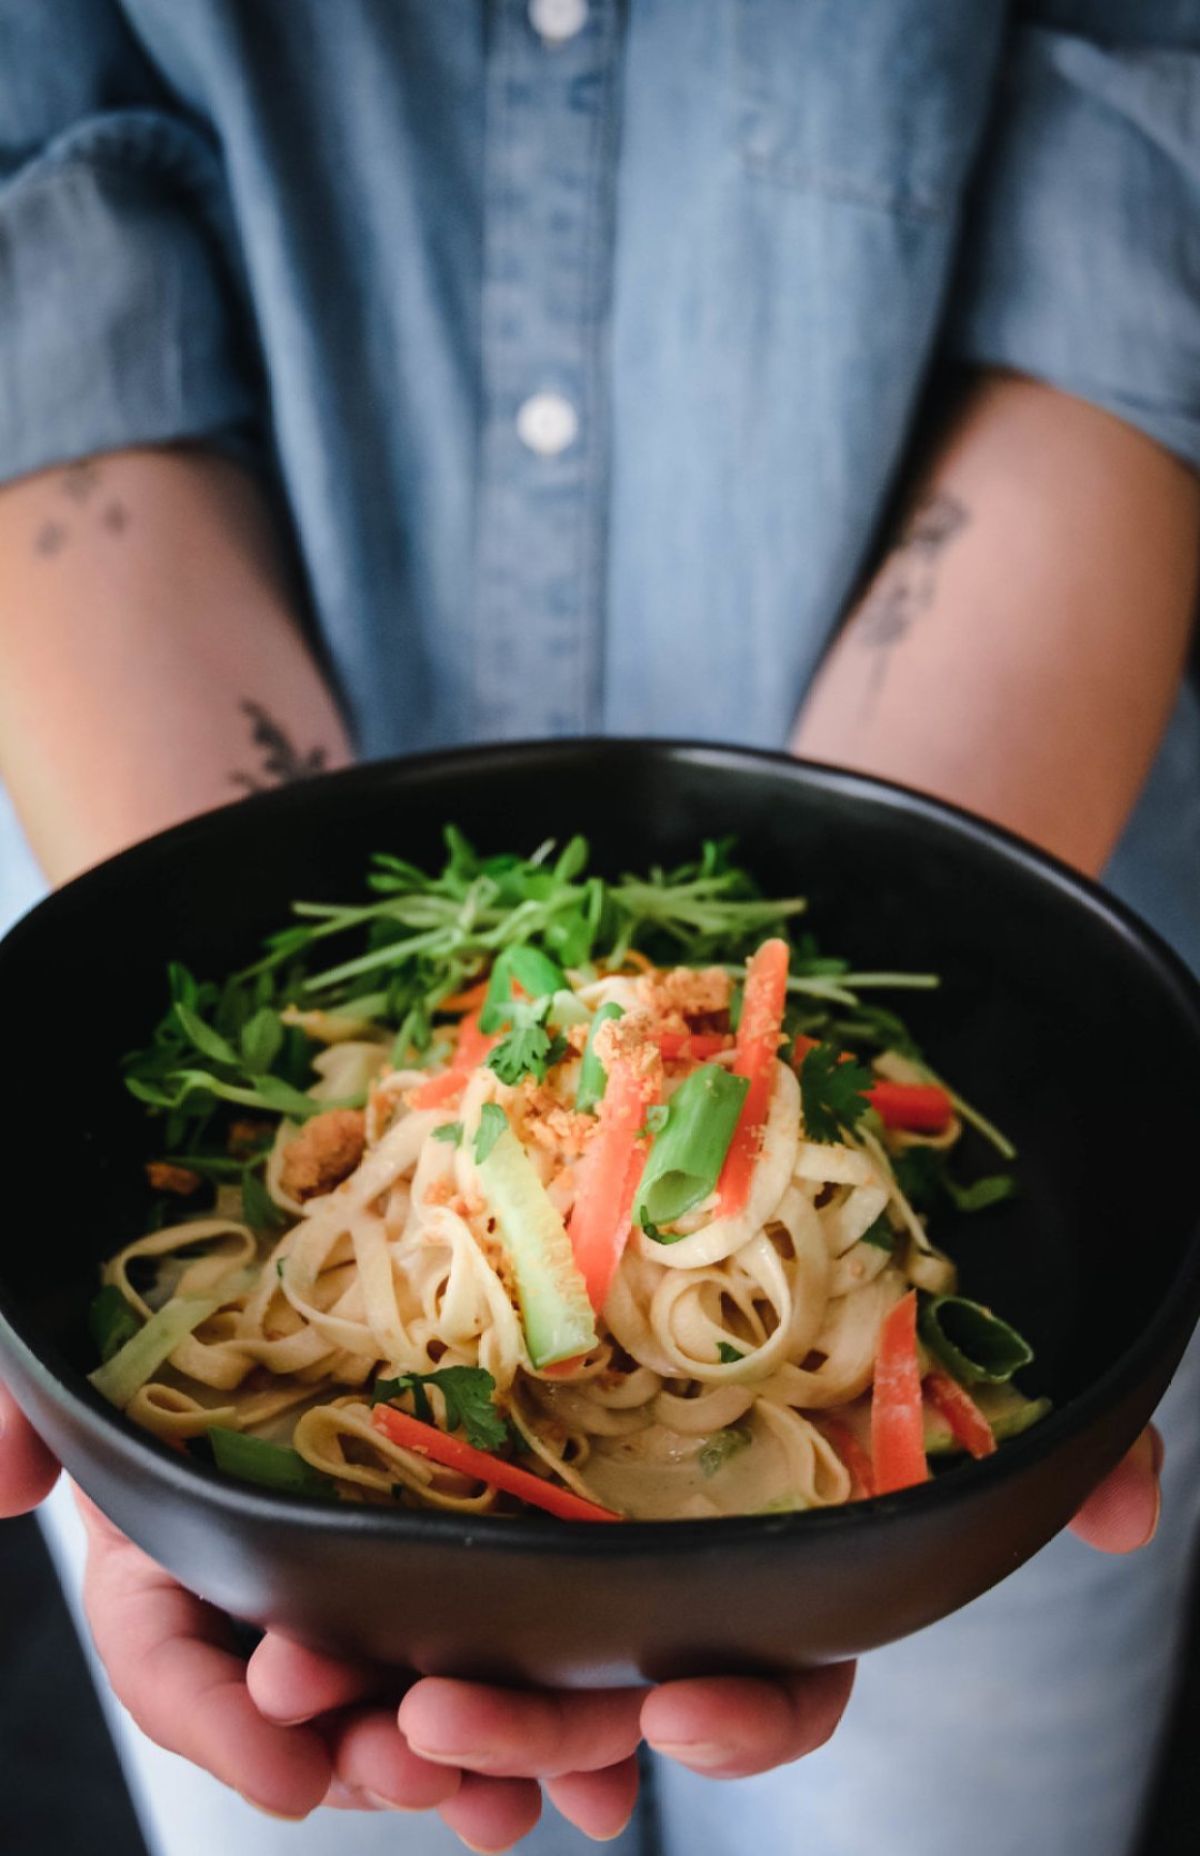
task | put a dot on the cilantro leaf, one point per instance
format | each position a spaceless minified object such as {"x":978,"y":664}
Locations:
{"x":529,"y":1049}
{"x":925,"y":1179}
{"x":880,"y":1234}
{"x":450,"y":1131}
{"x":492,"y":1124}
{"x":727,"y":1354}
{"x":721,"y":1446}
{"x":469,"y":1393}
{"x":833,"y":1092}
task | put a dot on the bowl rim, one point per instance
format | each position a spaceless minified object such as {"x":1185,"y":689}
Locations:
{"x":107,"y":1430}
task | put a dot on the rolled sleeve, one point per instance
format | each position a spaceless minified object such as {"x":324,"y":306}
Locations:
{"x":120,"y":316}
{"x":1081,"y":259}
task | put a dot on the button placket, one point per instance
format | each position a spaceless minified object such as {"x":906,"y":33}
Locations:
{"x":550,"y":159}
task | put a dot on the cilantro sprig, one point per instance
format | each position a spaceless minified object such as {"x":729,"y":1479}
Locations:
{"x":832,"y":1092}
{"x":469,"y":1394}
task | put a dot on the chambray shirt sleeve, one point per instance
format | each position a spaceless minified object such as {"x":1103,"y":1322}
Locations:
{"x":1081,"y":262}
{"x":119,"y":313}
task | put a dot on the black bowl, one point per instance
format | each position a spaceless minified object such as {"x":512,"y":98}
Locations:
{"x":1060,"y":1015}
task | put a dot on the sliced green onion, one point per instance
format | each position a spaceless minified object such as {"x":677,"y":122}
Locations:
{"x":593,"y":1078}
{"x":271,"y":1466}
{"x":112,"y":1321}
{"x":555,"y":1311}
{"x":119,"y":1378}
{"x":971,"y":1343}
{"x":686,"y":1158}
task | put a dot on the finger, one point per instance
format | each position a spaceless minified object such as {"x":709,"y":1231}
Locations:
{"x":372,"y":1759}
{"x":169,"y":1663}
{"x":1122,"y":1514}
{"x":289,"y":1684}
{"x":492,"y":1814}
{"x":732,"y":1726}
{"x":514,"y":1734}
{"x":28,"y":1472}
{"x":598,"y":1803}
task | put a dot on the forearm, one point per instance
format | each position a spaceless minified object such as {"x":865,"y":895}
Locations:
{"x":1020,"y":647}
{"x":150,"y":663}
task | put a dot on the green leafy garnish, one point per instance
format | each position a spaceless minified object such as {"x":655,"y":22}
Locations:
{"x":727,"y":1353}
{"x":536,"y":973}
{"x":657,"y":1116}
{"x":593,"y":1078}
{"x":924,"y":1178}
{"x":880,"y":1234}
{"x":687,"y":1156}
{"x":271,"y":1466}
{"x":721,"y":1446}
{"x":469,"y":1393}
{"x":529,"y":1049}
{"x":450,"y":1131}
{"x":111,"y":1321}
{"x":970,"y":1341}
{"x":258,"y":1207}
{"x":492,"y":1123}
{"x":833,"y":1092}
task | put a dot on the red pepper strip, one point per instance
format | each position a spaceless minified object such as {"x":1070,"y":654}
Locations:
{"x":470,"y":1049}
{"x":962,"y":1414}
{"x":852,"y":1454}
{"x":897,"y":1428}
{"x":608,"y":1176}
{"x":758,"y":1035}
{"x":921,"y":1107}
{"x":452,"y":1453}
{"x":698,"y":1044}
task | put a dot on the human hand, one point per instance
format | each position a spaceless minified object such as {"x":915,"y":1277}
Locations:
{"x":293,"y":1730}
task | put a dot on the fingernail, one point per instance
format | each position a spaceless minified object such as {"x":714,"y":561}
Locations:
{"x":476,"y":1757}
{"x":702,"y":1753}
{"x":1159,"y":1450}
{"x":264,"y":1810}
{"x":1156,"y":1519}
{"x":610,"y":1836}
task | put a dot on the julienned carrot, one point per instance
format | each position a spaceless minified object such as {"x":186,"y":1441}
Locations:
{"x":967,"y":1423}
{"x":897,"y":1424}
{"x":453,"y":1453}
{"x":608,"y":1175}
{"x":851,"y":1452}
{"x":469,"y":1000}
{"x":698,"y":1044}
{"x":471,"y":1047}
{"x":921,"y":1108}
{"x":758,"y":1034}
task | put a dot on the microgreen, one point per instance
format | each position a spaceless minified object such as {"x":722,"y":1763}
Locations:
{"x":469,"y":1394}
{"x":833,"y":1092}
{"x":492,"y":1124}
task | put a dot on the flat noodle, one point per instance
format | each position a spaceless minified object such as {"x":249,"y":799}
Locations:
{"x":714,"y":1352}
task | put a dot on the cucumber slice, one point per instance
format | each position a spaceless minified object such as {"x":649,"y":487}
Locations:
{"x":555,"y":1311}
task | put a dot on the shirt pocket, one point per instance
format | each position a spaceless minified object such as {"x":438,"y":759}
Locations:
{"x":876,"y":102}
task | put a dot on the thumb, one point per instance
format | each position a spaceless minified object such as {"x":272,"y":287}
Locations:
{"x":27,"y":1470}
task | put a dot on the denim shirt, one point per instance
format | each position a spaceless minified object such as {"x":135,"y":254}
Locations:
{"x":584,"y":338}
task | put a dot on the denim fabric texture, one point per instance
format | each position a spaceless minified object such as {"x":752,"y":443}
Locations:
{"x":585,"y":360}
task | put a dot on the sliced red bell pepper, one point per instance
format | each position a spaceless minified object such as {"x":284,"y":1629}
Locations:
{"x":702,"y":1045}
{"x":922,"y":1108}
{"x":609,"y":1173}
{"x":852,"y":1454}
{"x":897,"y":1428}
{"x":967,"y":1423}
{"x":453,"y":1453}
{"x":758,"y":1035}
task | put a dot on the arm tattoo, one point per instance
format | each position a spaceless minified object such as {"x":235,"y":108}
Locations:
{"x":281,"y":762}
{"x":905,"y":586}
{"x":81,"y":485}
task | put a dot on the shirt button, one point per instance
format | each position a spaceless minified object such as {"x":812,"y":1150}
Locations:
{"x":557,"y":20}
{"x":547,"y":423}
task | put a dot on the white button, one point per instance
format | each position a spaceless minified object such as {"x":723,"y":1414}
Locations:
{"x":557,"y":20}
{"x":547,"y":423}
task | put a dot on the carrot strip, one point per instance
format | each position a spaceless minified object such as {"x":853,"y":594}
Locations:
{"x":758,"y":1034}
{"x":954,"y":1404}
{"x":609,"y":1174}
{"x":453,"y":1453}
{"x":470,"y":1049}
{"x":469,"y":1000}
{"x":852,"y":1454}
{"x":897,"y":1429}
